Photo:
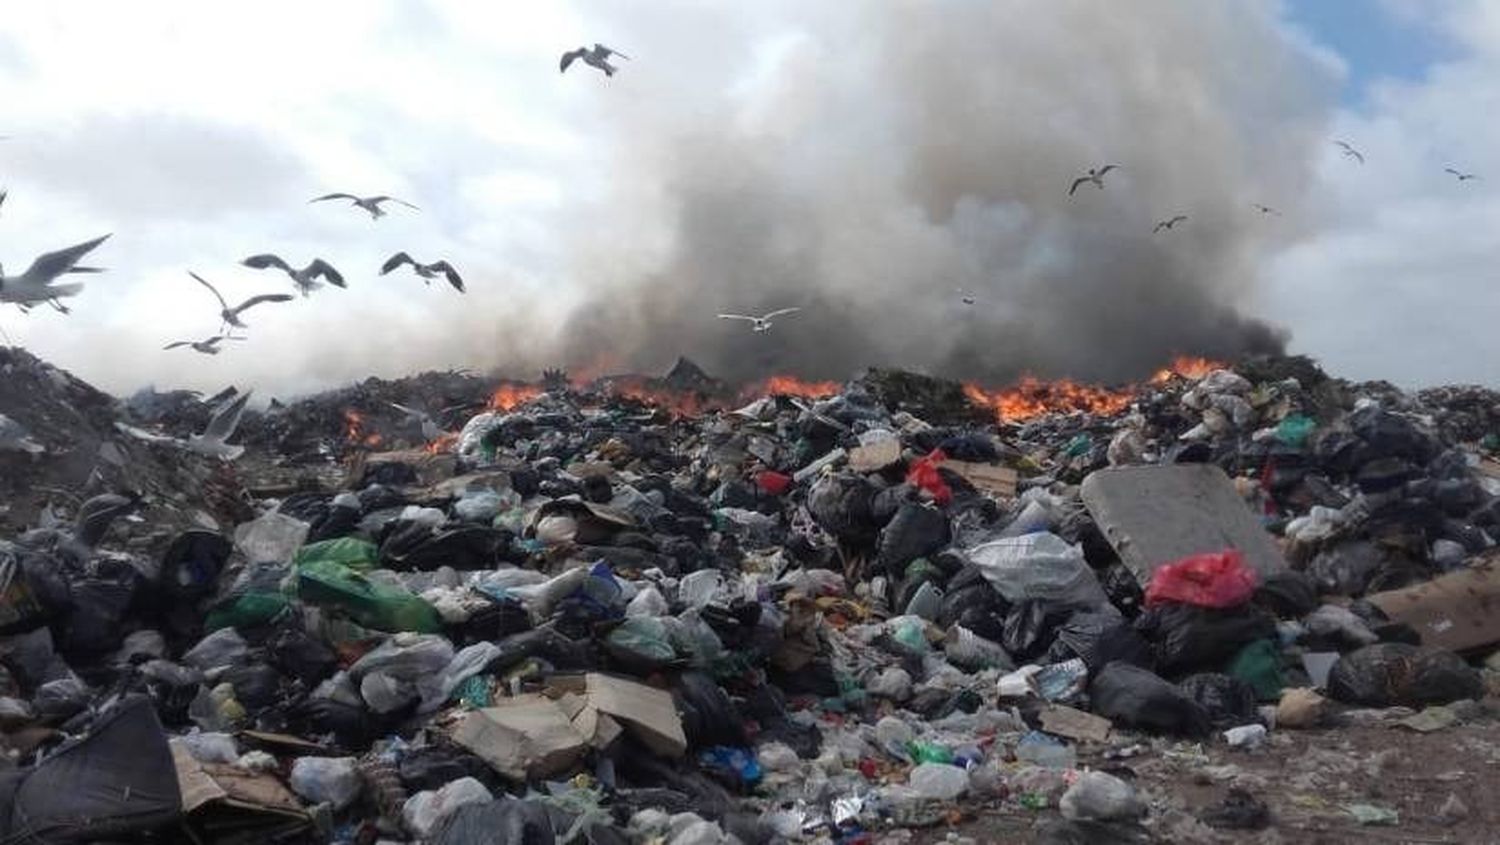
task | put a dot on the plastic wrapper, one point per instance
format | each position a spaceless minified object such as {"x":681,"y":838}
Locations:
{"x":1038,"y":566}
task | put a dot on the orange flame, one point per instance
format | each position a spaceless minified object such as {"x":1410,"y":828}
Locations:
{"x":354,"y":430}
{"x":1188,"y":367}
{"x":1031,"y":397}
{"x":442,"y":443}
{"x":679,"y":404}
{"x":508,"y":397}
{"x":784,"y":385}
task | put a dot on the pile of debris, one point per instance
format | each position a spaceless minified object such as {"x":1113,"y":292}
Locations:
{"x":648,"y":610}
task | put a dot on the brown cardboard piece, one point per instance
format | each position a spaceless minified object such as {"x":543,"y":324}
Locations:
{"x":649,"y":714}
{"x":987,"y":478}
{"x":229,"y":804}
{"x":1458,"y":611}
{"x":1075,"y":724}
{"x":525,"y":737}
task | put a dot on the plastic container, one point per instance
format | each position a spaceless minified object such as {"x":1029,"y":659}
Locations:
{"x":1044,"y":750}
{"x":939,"y":781}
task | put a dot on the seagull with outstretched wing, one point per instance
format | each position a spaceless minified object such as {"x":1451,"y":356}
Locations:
{"x":763,"y":322}
{"x":1350,"y":152}
{"x":597,"y":57}
{"x":36,"y":284}
{"x":428,"y":272}
{"x":221,"y":426}
{"x":231,"y":316}
{"x":207,"y":347}
{"x":1168,"y":224}
{"x":1095,"y":176}
{"x":370,"y":204}
{"x":1462,"y":177}
{"x":1265,"y":209}
{"x":306,"y":279}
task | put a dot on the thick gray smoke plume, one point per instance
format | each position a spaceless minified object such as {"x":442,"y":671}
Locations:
{"x":882,"y":155}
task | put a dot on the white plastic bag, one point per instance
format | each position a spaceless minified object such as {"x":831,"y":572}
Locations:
{"x":1038,"y":566}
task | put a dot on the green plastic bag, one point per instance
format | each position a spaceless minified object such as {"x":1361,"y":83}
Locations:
{"x":359,"y":555}
{"x":367,"y":602}
{"x":246,"y":611}
{"x":1259,"y":665}
{"x":1295,"y":429}
{"x":642,"y":641}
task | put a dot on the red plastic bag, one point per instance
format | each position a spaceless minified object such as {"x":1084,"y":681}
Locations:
{"x":773,"y":483}
{"x":1217,"y":579}
{"x":924,"y":474}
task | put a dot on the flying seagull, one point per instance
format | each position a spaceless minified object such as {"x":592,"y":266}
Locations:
{"x":1095,"y":176}
{"x":1264,"y":209}
{"x":965,"y":297}
{"x":597,"y":57}
{"x":761,"y":323}
{"x":36,"y":284}
{"x":426,"y":271}
{"x":1350,"y":152}
{"x":430,"y":429}
{"x":1168,"y":224}
{"x":3,"y":195}
{"x":370,"y":204}
{"x":231,"y":316}
{"x":306,"y":279}
{"x":207,"y":347}
{"x":15,"y":438}
{"x":1462,"y":177}
{"x":226,"y":418}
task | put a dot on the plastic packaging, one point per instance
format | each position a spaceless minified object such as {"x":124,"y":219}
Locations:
{"x":224,"y":647}
{"x":1245,"y":736}
{"x":777,"y":757}
{"x":330,"y":780}
{"x":425,"y":810}
{"x":1220,"y":579}
{"x":939,"y":781}
{"x":1038,"y":566}
{"x":272,"y":538}
{"x":1045,"y":750}
{"x":468,"y":662}
{"x":647,"y":602}
{"x":211,"y":747}
{"x":969,"y":651}
{"x":893,"y":683}
{"x":1101,"y":797}
{"x":894,"y":737}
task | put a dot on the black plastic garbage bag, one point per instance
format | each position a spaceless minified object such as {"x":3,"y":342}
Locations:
{"x":117,"y":781}
{"x":1133,"y":697}
{"x":172,"y":689}
{"x":101,"y":601}
{"x":1100,"y":638}
{"x":542,"y":643}
{"x":256,"y":685}
{"x":708,"y":716}
{"x":1287,"y":595}
{"x":1122,"y":588}
{"x":191,"y":565}
{"x":1227,"y":700}
{"x":1346,"y":569}
{"x":507,"y":820}
{"x":915,"y":531}
{"x":414,"y":546}
{"x":435,"y":766}
{"x":298,"y":654}
{"x":1186,"y":637}
{"x":841,"y":504}
{"x":1388,"y":435}
{"x":1397,"y":674}
{"x":1030,"y":626}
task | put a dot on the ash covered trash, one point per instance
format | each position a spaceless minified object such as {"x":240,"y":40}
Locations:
{"x":655,"y":607}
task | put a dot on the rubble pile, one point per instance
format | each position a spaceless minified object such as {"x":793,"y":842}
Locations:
{"x":454,"y":609}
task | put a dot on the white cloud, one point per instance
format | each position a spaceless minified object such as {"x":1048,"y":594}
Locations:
{"x":1395,"y":277}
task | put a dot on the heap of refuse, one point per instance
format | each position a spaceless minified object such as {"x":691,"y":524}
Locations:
{"x":584,"y":617}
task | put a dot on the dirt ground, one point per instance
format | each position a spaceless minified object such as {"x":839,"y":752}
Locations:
{"x":1306,"y":777}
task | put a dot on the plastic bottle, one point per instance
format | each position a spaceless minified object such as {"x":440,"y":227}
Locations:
{"x":939,"y":781}
{"x":1041,"y":749}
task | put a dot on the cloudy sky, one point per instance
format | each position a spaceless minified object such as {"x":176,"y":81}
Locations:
{"x":196,"y":133}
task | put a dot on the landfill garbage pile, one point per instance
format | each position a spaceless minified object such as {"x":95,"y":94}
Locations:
{"x":639,"y":612}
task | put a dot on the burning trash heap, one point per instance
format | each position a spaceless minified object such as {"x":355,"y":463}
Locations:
{"x":456,"y":610}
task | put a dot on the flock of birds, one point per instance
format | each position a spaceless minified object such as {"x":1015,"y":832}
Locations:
{"x":1095,"y":177}
{"x":40,"y":283}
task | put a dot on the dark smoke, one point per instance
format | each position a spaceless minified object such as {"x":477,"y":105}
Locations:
{"x":884,"y":156}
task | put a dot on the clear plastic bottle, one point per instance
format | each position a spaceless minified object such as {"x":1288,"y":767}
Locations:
{"x":1041,"y":749}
